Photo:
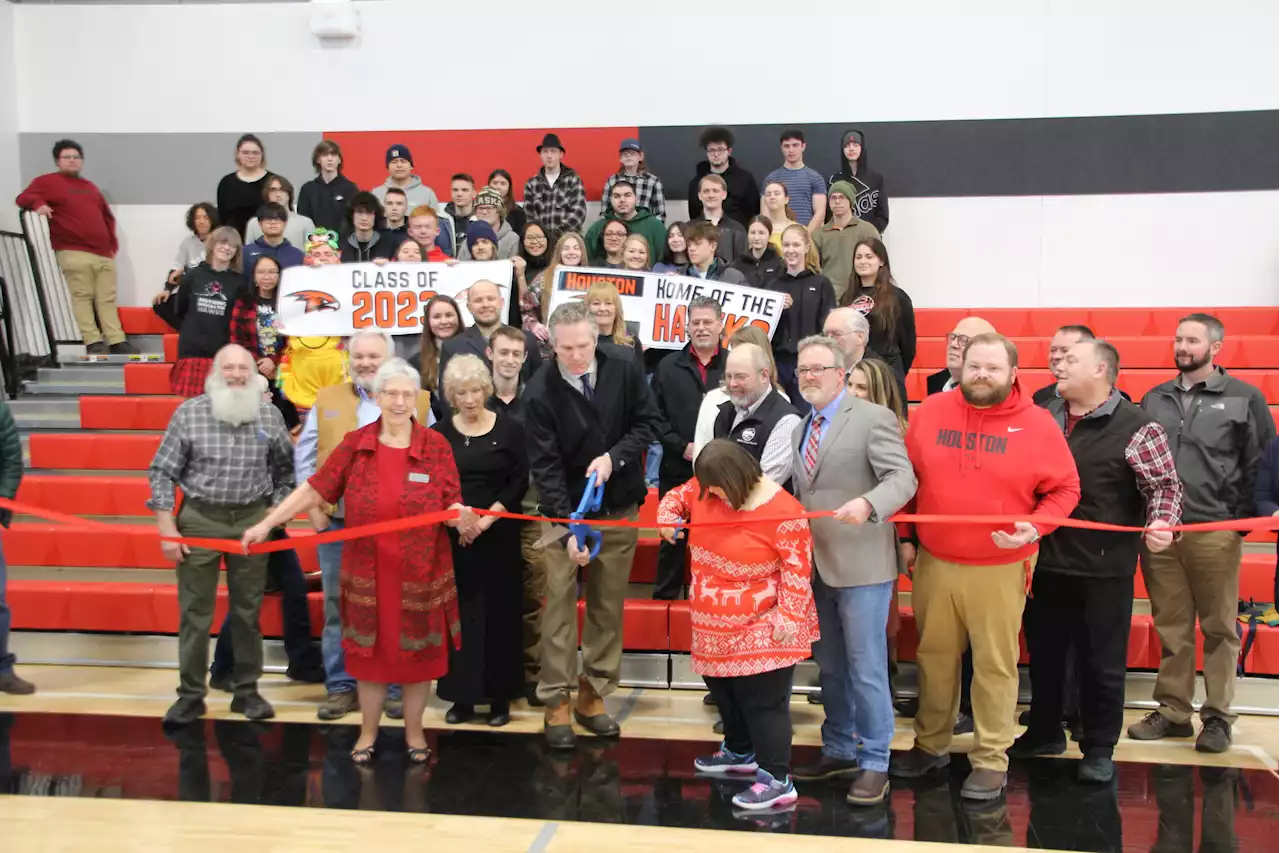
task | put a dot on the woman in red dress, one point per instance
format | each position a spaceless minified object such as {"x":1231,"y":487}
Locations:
{"x":398,"y":600}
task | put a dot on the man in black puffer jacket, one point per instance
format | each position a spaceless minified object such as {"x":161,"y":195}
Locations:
{"x":587,"y":411}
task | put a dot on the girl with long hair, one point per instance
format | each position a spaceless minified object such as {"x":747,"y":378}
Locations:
{"x":874,"y":381}
{"x":887,"y":307}
{"x":674,"y":257}
{"x":570,"y":251}
{"x":605,"y":305}
{"x":761,"y":261}
{"x":500,"y":180}
{"x":808,"y":298}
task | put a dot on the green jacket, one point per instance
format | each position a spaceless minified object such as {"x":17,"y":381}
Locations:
{"x":644,"y":223}
{"x":835,"y":250}
{"x":10,"y":459}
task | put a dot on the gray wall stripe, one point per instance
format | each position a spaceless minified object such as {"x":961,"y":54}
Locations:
{"x":165,"y":168}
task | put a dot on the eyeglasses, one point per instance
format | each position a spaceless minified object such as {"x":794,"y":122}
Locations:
{"x":960,"y":340}
{"x":815,"y":372}
{"x":716,"y":149}
{"x":534,"y":238}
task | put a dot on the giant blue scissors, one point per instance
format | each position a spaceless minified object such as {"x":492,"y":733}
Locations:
{"x":588,"y":537}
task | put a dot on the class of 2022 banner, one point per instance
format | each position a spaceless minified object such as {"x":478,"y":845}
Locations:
{"x":342,"y":299}
{"x":659,"y":303}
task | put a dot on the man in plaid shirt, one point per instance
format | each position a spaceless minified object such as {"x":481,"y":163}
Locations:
{"x":649,"y":192}
{"x":230,"y":453}
{"x":555,"y":197}
{"x":1082,"y":592}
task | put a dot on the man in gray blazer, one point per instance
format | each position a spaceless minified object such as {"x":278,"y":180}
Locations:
{"x":849,"y":457}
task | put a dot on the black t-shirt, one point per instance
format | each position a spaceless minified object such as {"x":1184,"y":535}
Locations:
{"x":239,"y":200}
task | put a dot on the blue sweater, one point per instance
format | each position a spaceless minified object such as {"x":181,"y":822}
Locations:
{"x":286,"y":254}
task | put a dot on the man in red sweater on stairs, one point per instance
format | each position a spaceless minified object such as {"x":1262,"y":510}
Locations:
{"x":82,"y":230}
{"x":985,"y":451}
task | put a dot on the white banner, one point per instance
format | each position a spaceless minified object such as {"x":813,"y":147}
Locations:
{"x":342,"y":299}
{"x":658,"y":302}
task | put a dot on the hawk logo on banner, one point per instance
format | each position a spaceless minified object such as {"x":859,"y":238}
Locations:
{"x":316,"y":300}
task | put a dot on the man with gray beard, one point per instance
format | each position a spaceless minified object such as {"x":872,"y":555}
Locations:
{"x":757,"y":417}
{"x":230,"y":453}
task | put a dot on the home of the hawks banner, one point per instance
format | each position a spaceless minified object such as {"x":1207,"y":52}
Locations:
{"x":659,"y":303}
{"x":343,"y":299}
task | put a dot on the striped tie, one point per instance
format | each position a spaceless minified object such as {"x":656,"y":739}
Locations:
{"x":811,"y":447}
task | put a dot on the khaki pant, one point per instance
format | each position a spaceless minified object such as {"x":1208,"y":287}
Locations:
{"x":978,"y":607}
{"x":535,"y":590}
{"x":91,"y":281}
{"x":606,"y":582}
{"x":1197,"y":576}
{"x":198,"y":592}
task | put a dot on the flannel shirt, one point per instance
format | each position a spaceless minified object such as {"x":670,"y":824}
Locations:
{"x":1148,"y":455}
{"x":559,"y":208}
{"x":649,"y":193}
{"x":222,"y":464}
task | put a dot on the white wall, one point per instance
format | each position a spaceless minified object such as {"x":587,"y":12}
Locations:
{"x":136,"y":67}
{"x":9,"y":185}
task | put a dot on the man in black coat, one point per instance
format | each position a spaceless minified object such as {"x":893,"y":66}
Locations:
{"x":744,"y":194}
{"x":484,"y":302}
{"x":587,"y":411}
{"x":679,"y":384}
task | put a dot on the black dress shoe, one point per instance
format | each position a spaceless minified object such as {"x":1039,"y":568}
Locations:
{"x":123,"y":348}
{"x":220,"y":682}
{"x":557,"y":728}
{"x":815,"y":698}
{"x":531,"y":695}
{"x":184,"y":712}
{"x":826,"y":768}
{"x":718,"y":728}
{"x":459,"y":713}
{"x":1028,"y":745}
{"x":499,"y":714}
{"x":305,"y":674}
{"x":708,"y":699}
{"x":97,"y":348}
{"x":253,"y":706}
{"x":906,"y":707}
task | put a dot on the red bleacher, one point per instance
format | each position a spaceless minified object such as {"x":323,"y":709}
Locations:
{"x":1142,"y":335}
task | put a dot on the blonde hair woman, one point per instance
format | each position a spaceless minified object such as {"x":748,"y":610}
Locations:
{"x":605,"y":306}
{"x":489,"y":449}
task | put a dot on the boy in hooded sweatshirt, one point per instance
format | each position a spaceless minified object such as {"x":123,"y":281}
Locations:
{"x":400,"y":174}
{"x":988,"y":450}
{"x":870,"y":203}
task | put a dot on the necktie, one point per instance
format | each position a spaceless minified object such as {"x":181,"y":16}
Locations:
{"x":587,"y":390}
{"x":811,"y":446}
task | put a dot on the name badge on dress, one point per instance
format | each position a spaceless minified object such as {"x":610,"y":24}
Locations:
{"x":415,"y":477}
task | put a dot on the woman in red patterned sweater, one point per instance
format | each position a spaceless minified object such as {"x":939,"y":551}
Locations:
{"x":752,"y":610}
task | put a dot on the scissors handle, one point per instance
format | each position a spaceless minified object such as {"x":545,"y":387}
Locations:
{"x":592,"y":497}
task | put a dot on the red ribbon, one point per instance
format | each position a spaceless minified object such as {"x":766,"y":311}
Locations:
{"x":232,"y":546}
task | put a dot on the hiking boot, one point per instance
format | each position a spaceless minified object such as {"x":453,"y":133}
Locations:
{"x":12,"y":684}
{"x":869,"y":788}
{"x":984,"y":784}
{"x":826,"y":767}
{"x":1030,"y":746}
{"x":1096,"y":768}
{"x":916,"y":763}
{"x":338,"y":705}
{"x":185,"y":711}
{"x":253,"y":706}
{"x":590,"y":714}
{"x":1155,"y":726}
{"x":1215,"y":736}
{"x":726,"y":761}
{"x":557,"y":727}
{"x":766,"y":793}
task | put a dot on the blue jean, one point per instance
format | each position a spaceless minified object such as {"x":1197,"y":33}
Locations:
{"x":853,"y":664}
{"x":6,"y":660}
{"x":652,"y":462}
{"x":287,"y":570}
{"x":336,"y":679}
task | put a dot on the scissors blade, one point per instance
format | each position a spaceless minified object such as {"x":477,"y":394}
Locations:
{"x":551,"y":534}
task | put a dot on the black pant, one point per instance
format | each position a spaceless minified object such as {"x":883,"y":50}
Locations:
{"x":669,"y":582}
{"x":756,"y":710}
{"x":1093,"y":615}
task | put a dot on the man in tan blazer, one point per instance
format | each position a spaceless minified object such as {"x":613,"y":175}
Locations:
{"x":849,"y":457}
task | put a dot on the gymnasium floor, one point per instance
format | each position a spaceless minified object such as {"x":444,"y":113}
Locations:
{"x":93,"y":734}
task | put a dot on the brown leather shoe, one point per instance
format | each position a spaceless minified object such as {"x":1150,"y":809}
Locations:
{"x":557,"y":727}
{"x":590,"y":714}
{"x":10,"y":683}
{"x":869,"y":788}
{"x":984,"y":784}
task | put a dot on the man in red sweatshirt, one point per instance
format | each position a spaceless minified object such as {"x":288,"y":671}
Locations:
{"x":83,"y":233}
{"x":985,"y":451}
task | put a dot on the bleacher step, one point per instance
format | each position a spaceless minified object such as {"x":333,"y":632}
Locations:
{"x":78,"y":389}
{"x":146,"y":344}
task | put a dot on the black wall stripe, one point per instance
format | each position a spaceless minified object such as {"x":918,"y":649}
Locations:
{"x":1199,"y":152}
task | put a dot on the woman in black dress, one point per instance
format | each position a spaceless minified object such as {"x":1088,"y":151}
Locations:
{"x":494,"y":470}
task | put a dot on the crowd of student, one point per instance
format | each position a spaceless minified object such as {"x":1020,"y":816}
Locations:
{"x":518,"y":410}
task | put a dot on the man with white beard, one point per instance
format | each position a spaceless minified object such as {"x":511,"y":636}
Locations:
{"x":229,"y":451}
{"x":341,"y":409}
